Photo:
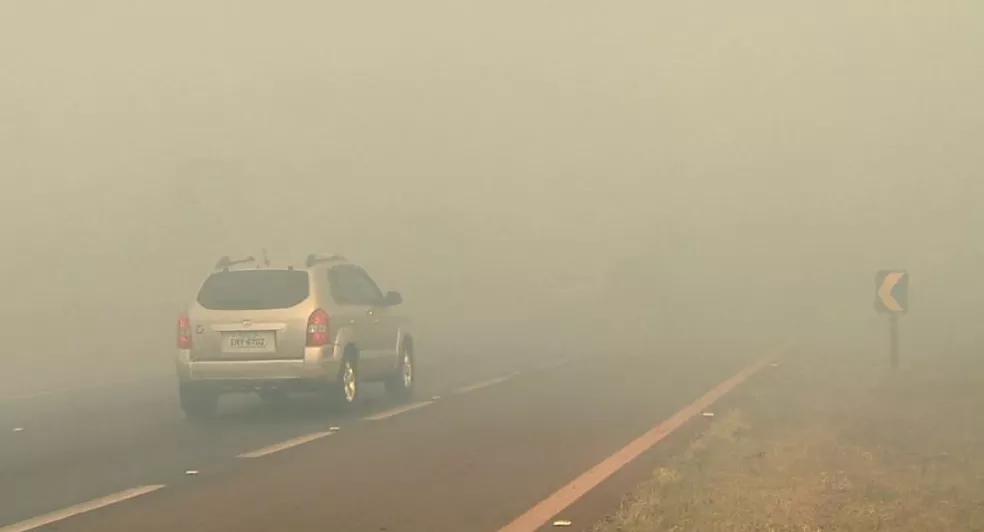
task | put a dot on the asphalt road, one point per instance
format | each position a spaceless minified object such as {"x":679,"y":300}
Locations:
{"x":505,"y":431}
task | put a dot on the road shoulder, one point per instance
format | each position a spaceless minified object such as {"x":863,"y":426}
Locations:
{"x":828,"y":441}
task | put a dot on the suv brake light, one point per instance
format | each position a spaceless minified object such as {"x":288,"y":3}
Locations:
{"x":184,"y":332}
{"x":318,"y":329}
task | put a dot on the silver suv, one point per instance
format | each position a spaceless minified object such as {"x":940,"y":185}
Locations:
{"x":325,"y":328}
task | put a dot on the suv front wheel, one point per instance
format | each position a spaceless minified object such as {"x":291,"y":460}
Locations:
{"x":400,"y":385}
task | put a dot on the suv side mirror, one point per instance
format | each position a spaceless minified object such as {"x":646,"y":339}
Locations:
{"x":392,"y":299}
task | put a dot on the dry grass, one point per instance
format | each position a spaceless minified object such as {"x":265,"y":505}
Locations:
{"x":830,"y":444}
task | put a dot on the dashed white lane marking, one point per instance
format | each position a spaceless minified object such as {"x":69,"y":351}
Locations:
{"x":78,"y":509}
{"x":396,"y":411}
{"x":484,"y":384}
{"x":284,"y":445}
{"x":563,"y":498}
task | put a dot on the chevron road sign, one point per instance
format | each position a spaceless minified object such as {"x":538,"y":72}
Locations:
{"x":892,"y":291}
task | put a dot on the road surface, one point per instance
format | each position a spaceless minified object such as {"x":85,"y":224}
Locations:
{"x":488,"y":436}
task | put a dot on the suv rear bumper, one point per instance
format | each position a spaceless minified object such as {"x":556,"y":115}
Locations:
{"x":313,"y":367}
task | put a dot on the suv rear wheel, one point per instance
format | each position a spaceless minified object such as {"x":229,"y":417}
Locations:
{"x":345,"y":392}
{"x":198,"y":402}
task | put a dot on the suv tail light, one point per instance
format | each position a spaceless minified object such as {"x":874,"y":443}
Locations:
{"x":319,"y":329}
{"x":184,"y":332}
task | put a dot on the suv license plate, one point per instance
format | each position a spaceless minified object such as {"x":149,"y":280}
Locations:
{"x":250,"y":342}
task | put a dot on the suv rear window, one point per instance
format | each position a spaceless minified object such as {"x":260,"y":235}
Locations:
{"x":254,"y":290}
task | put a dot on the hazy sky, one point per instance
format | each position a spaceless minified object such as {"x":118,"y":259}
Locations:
{"x":758,"y":145}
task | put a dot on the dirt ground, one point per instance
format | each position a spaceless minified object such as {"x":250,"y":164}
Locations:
{"x":830,"y":442}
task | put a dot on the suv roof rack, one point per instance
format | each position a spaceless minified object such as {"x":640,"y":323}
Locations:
{"x":225,"y":262}
{"x":315,"y":259}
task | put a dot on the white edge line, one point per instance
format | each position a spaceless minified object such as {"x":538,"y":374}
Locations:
{"x":484,"y":384}
{"x":393,"y":412}
{"x":283,"y":446}
{"x":539,"y":515}
{"x":78,"y":509}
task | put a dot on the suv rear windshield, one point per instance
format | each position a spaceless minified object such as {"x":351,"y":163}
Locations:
{"x":254,"y":290}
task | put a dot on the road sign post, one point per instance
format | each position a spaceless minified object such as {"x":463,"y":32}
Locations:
{"x":893,"y":340}
{"x":892,"y":298}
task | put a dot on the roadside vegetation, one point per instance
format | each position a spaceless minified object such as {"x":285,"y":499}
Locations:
{"x":829,"y":442}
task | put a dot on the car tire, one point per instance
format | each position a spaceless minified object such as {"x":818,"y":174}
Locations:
{"x":345,"y":392}
{"x":198,"y":402}
{"x":400,"y":385}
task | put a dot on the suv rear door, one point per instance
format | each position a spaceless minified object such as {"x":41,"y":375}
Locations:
{"x":362,"y":300}
{"x":256,"y":314}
